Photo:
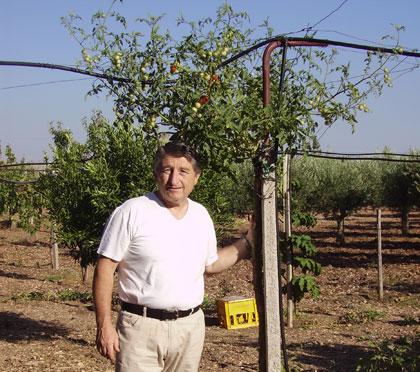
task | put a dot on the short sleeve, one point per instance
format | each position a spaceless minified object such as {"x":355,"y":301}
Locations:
{"x":116,"y":236}
{"x":212,"y":255}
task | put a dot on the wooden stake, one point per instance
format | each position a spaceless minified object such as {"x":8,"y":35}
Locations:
{"x":380,"y":272}
{"x":54,"y":250}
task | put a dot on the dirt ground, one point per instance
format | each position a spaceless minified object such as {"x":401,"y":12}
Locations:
{"x":47,"y":322}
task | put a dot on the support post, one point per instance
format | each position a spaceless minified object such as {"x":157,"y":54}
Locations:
{"x":287,"y":234}
{"x":270,"y":264}
{"x":54,"y":250}
{"x":380,"y":272}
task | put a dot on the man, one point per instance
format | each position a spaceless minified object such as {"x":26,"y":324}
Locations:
{"x":162,"y":243}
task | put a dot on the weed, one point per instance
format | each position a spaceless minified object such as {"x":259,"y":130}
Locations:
{"x":372,"y":315}
{"x":224,"y":288}
{"x":408,"y":301}
{"x":400,"y":355}
{"x":304,"y":321}
{"x":361,"y":316}
{"x":29,"y":296}
{"x":208,"y":305}
{"x":362,"y":338}
{"x":65,"y":295}
{"x":55,"y":278}
{"x":72,"y":295}
{"x":17,"y":263}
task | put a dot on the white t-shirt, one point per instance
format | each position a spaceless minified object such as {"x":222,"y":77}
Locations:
{"x":161,"y":259}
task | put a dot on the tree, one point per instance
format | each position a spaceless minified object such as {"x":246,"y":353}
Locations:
{"x":87,"y":181}
{"x":300,"y":244}
{"x":333,"y":187}
{"x":180,"y":85}
{"x":402,"y":188}
{"x":17,"y":199}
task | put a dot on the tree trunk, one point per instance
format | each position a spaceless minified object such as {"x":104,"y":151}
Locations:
{"x":340,"y":237}
{"x":85,"y":274}
{"x":12,"y":223}
{"x":405,"y":223}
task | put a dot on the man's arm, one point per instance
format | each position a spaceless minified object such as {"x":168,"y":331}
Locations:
{"x":103,"y":281}
{"x":231,"y":254}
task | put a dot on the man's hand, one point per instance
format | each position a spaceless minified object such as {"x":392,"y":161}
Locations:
{"x":250,"y":237}
{"x":107,"y":342}
{"x":106,"y":335}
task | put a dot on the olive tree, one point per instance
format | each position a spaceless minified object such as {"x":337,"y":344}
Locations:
{"x":335,"y":188}
{"x":402,"y":188}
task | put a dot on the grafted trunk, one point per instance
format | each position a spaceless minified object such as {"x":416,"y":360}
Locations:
{"x":405,"y":223}
{"x":340,"y":237}
{"x":85,"y":274}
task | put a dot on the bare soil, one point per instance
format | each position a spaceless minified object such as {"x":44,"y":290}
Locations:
{"x":42,"y":329}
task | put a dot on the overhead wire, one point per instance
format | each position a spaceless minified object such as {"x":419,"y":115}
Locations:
{"x":309,"y":28}
{"x":327,"y":16}
{"x":372,"y":158}
{"x":45,"y":83}
{"x":365,"y":154}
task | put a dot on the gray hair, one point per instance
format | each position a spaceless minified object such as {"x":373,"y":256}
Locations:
{"x":178,"y":149}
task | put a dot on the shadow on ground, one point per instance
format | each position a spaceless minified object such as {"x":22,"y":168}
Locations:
{"x":15,"y":275}
{"x":332,"y":357}
{"x":16,"y":327}
{"x":356,"y":260}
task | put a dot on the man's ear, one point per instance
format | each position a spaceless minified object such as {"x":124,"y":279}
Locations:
{"x":197,"y":176}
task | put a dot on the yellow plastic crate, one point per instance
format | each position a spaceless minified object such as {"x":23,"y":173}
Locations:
{"x":237,"y":312}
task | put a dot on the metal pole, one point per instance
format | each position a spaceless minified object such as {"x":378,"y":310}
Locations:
{"x":269,"y":226}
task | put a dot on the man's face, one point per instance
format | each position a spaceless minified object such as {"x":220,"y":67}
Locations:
{"x":176,"y":179}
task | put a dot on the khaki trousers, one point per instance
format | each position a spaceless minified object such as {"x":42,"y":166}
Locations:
{"x":152,"y":345}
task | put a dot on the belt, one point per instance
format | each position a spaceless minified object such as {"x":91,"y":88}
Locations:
{"x":157,"y":313}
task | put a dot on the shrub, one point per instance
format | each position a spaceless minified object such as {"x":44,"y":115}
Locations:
{"x":400,"y":355}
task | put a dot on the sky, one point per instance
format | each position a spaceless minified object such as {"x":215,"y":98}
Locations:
{"x":32,"y":31}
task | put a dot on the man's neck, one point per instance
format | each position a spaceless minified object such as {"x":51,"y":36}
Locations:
{"x":177,"y":210}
